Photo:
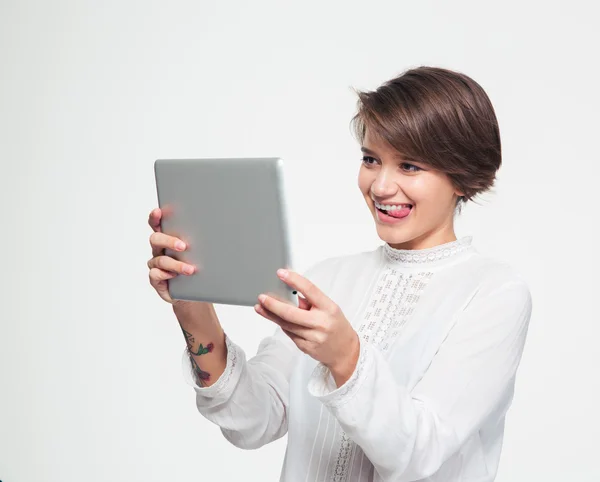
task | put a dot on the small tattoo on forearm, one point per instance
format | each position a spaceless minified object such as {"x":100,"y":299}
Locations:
{"x":202,"y":376}
{"x":203,"y":350}
{"x":189,"y":338}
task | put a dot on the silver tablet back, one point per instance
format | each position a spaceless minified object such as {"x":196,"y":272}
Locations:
{"x":232,"y":215}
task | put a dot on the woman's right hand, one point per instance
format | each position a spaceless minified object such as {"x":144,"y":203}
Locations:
{"x":163,"y":268}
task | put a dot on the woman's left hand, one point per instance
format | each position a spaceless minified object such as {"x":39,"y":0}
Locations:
{"x":317,"y":326}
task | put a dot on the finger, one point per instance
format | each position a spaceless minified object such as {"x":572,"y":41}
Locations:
{"x":309,"y":290}
{"x":159,"y":280}
{"x":154,"y":220}
{"x":303,"y":303}
{"x":286,"y":311}
{"x":167,"y":263}
{"x":159,"y":241}
{"x":158,"y":275}
{"x":300,"y":342}
{"x":299,"y":331}
{"x":268,"y":315}
{"x":279,"y":298}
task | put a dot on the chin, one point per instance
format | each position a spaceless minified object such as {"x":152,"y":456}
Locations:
{"x":399,"y":242}
{"x":400,"y":236}
{"x":395,"y":235}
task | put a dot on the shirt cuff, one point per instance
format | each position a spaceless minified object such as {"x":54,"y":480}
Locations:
{"x":227,"y":381}
{"x":321,"y":384}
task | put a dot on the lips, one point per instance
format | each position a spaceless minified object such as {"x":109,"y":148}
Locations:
{"x":396,"y":213}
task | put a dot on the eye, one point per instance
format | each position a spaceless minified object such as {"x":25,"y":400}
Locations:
{"x":408,"y":167}
{"x":368,"y":160}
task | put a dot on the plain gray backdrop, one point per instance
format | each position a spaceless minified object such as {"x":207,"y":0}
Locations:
{"x":91,"y":93}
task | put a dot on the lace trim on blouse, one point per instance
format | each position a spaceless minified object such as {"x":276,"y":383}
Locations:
{"x":420,"y":256}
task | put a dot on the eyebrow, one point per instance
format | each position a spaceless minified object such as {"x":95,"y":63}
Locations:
{"x":368,"y":151}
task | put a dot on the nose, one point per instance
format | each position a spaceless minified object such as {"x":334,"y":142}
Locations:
{"x":384,"y":185}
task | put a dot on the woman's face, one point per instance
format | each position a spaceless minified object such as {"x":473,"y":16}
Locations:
{"x":424,"y":199}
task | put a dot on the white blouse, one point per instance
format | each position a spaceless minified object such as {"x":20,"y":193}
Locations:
{"x":441,"y":331}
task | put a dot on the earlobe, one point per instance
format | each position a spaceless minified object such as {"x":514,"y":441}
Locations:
{"x":460,"y":197}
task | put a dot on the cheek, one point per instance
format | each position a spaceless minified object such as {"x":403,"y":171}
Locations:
{"x":364,"y":181}
{"x":418,"y":189}
{"x":428,"y":192}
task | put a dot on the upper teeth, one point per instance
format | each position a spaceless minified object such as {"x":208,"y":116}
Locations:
{"x":390,"y":208}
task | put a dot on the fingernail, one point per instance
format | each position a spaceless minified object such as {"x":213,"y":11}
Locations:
{"x":282,"y":273}
{"x":180,"y":245}
{"x":262,"y":298}
{"x":188,"y":269}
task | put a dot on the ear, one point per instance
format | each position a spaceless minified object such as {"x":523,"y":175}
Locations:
{"x":460,"y":198}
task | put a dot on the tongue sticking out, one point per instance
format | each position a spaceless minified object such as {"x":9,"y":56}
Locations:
{"x":400,"y":213}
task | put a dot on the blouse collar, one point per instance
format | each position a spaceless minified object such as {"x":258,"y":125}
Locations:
{"x":429,"y":256}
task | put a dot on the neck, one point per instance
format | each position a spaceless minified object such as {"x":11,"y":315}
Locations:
{"x":441,"y":235}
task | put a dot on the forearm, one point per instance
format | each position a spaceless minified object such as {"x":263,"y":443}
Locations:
{"x":205,"y":340}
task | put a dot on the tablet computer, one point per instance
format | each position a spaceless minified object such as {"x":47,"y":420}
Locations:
{"x":231,"y":213}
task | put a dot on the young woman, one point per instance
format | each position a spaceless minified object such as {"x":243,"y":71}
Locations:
{"x":399,"y":363}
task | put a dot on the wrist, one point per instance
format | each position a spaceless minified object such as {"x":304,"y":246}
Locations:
{"x":196,"y":315}
{"x":180,"y":304}
{"x":343,"y":368}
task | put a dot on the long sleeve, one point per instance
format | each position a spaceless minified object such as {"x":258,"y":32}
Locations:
{"x":249,"y":401}
{"x":408,"y":435}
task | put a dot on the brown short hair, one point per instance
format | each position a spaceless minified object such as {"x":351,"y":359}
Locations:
{"x":438,"y":117}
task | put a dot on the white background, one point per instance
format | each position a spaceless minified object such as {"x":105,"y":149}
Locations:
{"x":91,"y":93}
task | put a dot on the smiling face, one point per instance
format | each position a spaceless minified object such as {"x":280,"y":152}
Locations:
{"x":413,"y":205}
